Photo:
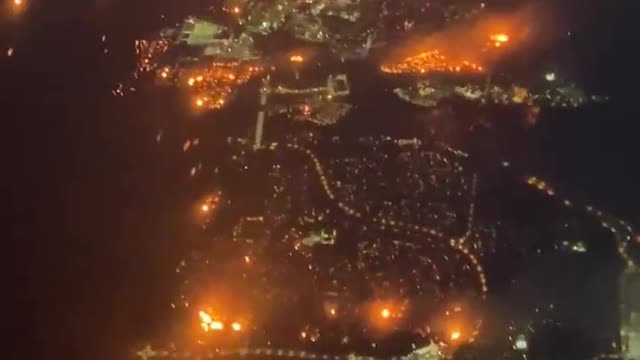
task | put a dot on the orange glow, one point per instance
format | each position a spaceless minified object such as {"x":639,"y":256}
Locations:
{"x":236,"y":326}
{"x":216,"y":82}
{"x":332,"y":311}
{"x":470,"y":41}
{"x":500,"y":38}
{"x":17,"y":2}
{"x":430,"y":61}
{"x":204,"y":317}
{"x":455,"y":335}
{"x":296,"y":59}
{"x":205,"y":208}
{"x":207,"y":323}
{"x":247,"y":259}
{"x":216,"y":325}
{"x":385,"y":313}
{"x":236,"y":10}
{"x":199,"y":103}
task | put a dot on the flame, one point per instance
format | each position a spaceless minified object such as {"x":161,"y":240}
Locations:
{"x":500,"y":38}
{"x":296,"y":58}
{"x":463,"y":42}
{"x":385,"y":313}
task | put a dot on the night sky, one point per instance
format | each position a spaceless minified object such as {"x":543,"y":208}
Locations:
{"x":97,"y":211}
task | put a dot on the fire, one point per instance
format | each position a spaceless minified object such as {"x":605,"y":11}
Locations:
{"x":385,"y":313}
{"x":455,"y":335}
{"x":500,"y":38}
{"x":296,"y":59}
{"x":236,"y":326}
{"x":216,"y":325}
{"x":431,"y":61}
{"x":214,"y":84}
{"x":207,"y":323}
{"x":466,"y":41}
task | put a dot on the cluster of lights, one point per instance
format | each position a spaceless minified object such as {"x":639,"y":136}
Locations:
{"x":148,"y":51}
{"x":460,"y":247}
{"x":211,"y":203}
{"x":621,"y":230}
{"x":430,"y":61}
{"x":478,"y":267}
{"x":296,"y":58}
{"x":499,"y":39}
{"x":212,"y":86}
{"x":209,"y":323}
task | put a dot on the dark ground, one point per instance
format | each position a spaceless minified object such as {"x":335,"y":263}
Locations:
{"x":97,"y":211}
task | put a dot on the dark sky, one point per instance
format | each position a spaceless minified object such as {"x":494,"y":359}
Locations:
{"x":95,"y":210}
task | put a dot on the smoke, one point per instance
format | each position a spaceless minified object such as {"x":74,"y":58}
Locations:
{"x":472,"y":41}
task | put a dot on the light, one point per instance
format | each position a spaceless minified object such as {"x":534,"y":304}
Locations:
{"x":205,"y":207}
{"x":200,"y":78}
{"x":247,"y":259}
{"x":199,"y":103}
{"x":521,"y":343}
{"x":164,"y":74}
{"x":216,"y":325}
{"x":385,"y":313}
{"x":204,"y":317}
{"x":236,"y":10}
{"x":550,"y":76}
{"x":17,"y":2}
{"x":296,"y":59}
{"x":332,"y":311}
{"x":236,"y":326}
{"x":500,"y":38}
{"x":455,"y":335}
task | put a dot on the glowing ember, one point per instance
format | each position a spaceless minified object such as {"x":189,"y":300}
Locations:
{"x":205,"y":318}
{"x":455,"y":335}
{"x":216,"y":325}
{"x":431,"y":61}
{"x":500,"y":38}
{"x":296,"y":59}
{"x":385,"y":313}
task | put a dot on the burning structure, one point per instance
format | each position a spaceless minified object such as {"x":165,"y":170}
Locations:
{"x":462,"y":47}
